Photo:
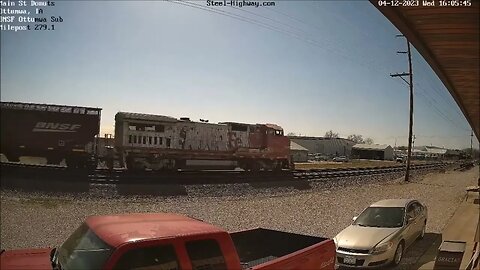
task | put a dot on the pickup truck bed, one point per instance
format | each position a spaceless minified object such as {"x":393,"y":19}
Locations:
{"x":258,"y":246}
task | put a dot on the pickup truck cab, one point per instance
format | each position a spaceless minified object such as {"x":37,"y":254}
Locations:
{"x":171,"y":241}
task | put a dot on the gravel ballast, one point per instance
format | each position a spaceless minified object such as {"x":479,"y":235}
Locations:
{"x":37,"y":220}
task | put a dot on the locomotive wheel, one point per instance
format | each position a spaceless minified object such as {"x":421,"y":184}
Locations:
{"x":12,"y":157}
{"x":180,"y":163}
{"x":255,"y":166}
{"x":278,"y":166}
{"x":269,"y":165}
{"x":71,"y":163}
{"x":242,"y":165}
{"x":54,"y":160}
{"x":171,"y":165}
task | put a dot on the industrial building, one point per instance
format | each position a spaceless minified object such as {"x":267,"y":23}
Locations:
{"x":428,"y":152}
{"x":298,"y":152}
{"x":372,"y":151}
{"x":331,"y":147}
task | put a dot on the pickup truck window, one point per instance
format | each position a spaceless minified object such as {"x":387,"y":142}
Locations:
{"x":205,"y":254}
{"x":83,"y":250}
{"x":149,"y":258}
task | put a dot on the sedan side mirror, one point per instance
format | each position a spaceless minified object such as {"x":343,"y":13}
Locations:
{"x":354,"y":218}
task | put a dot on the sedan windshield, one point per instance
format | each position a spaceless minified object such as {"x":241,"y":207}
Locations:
{"x":385,"y":217}
{"x":83,"y":250}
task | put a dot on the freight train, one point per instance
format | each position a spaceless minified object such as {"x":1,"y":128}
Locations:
{"x":141,"y":141}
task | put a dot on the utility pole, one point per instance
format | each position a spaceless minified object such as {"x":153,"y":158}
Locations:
{"x":410,"y":83}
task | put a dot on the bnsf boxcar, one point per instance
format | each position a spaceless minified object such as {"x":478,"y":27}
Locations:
{"x":161,"y":142}
{"x":55,"y":132}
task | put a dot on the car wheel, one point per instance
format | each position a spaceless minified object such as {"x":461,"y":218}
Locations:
{"x":422,"y":234}
{"x":398,"y":254}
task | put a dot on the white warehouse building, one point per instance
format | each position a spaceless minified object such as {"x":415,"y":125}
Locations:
{"x":325,"y":146}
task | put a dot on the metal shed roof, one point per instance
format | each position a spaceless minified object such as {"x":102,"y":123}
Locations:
{"x":448,"y":39}
{"x":297,"y":147}
{"x":371,"y":146}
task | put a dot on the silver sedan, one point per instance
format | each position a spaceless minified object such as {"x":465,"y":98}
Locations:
{"x":381,"y":233}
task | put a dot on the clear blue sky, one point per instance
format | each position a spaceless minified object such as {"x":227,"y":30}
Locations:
{"x":311,"y":67}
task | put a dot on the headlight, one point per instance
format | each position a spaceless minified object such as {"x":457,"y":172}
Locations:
{"x":380,"y":248}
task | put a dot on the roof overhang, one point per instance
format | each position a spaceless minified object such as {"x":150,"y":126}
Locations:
{"x":448,"y":39}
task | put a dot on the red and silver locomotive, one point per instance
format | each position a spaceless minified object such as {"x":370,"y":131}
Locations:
{"x":161,"y":142}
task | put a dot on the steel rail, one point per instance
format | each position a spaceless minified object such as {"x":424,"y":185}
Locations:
{"x":104,"y":176}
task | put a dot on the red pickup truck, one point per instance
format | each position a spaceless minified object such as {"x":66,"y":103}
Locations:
{"x":171,"y":241}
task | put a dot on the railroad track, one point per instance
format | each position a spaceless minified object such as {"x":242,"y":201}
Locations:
{"x":47,"y":173}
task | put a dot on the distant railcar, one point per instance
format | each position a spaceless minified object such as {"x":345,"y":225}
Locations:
{"x":55,"y":132}
{"x":160,"y":142}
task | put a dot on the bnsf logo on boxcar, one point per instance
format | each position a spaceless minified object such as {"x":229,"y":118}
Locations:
{"x":55,"y":127}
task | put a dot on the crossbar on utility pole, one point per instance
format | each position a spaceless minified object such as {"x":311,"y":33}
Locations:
{"x":410,"y":84}
{"x":399,"y":74}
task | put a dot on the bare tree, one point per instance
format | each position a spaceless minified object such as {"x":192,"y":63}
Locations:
{"x":291,"y":134}
{"x":356,"y":138}
{"x":369,"y":141}
{"x":331,"y":134}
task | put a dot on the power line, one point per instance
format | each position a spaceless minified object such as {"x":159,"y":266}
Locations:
{"x":435,"y":109}
{"x":435,"y":101}
{"x":290,"y":33}
{"x":436,"y":89}
{"x":268,"y":18}
{"x":440,"y":113}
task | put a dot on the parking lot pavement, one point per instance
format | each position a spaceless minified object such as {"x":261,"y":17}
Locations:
{"x":463,"y":226}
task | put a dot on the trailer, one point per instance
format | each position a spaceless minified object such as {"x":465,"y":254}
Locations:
{"x":55,"y":132}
